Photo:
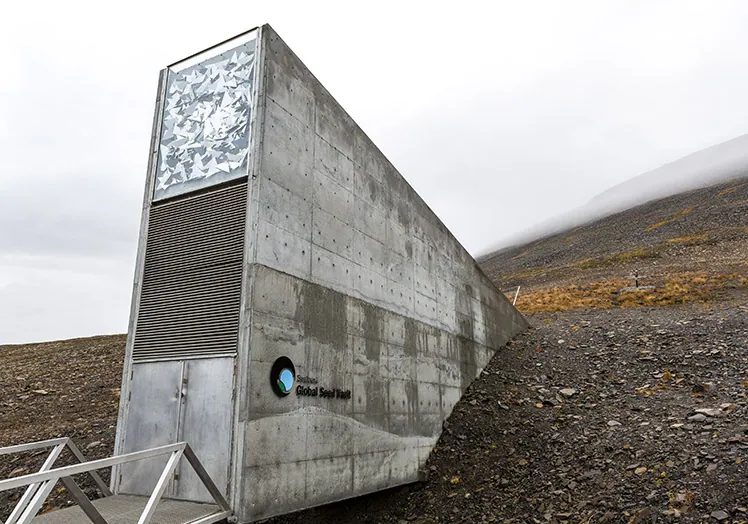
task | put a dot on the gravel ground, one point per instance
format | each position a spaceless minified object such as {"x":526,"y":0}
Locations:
{"x":68,"y":388}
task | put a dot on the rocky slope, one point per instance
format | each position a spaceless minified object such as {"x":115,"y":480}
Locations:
{"x":704,"y":230}
{"x":68,"y":388}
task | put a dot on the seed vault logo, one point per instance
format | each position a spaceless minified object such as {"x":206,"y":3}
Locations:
{"x":282,"y":376}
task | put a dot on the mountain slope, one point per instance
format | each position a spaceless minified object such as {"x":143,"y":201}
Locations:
{"x":709,"y":166}
{"x":703,"y":231}
{"x":714,"y":165}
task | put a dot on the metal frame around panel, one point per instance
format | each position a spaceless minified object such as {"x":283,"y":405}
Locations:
{"x":40,"y":484}
{"x":215,"y":46}
{"x":241,"y":365}
{"x":137,"y":286}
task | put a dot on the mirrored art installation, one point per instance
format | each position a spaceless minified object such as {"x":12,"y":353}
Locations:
{"x":205,"y":126}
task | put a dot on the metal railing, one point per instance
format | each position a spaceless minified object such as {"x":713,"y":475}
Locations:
{"x":40,"y":484}
{"x":33,"y":489}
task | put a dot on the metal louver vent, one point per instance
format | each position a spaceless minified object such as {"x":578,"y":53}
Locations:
{"x":192,"y":277}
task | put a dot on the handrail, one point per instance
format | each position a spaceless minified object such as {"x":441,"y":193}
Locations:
{"x":34,"y":445}
{"x":75,"y":469}
{"x":57,"y":445}
{"x":43,"y":481}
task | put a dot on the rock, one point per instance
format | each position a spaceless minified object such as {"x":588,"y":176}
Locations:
{"x":641,"y":470}
{"x":568,"y":392}
{"x":641,"y":516}
{"x":613,"y":423}
{"x":720,"y":515}
{"x":709,"y":412}
{"x":700,"y":417}
{"x":699,"y":389}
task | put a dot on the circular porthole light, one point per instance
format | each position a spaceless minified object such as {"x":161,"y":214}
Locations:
{"x":282,"y":376}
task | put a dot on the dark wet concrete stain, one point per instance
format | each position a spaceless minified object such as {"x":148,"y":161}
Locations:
{"x":376,"y":399}
{"x":403,"y":213}
{"x":411,"y":337}
{"x":468,"y":365}
{"x":411,"y":394}
{"x":373,"y":326}
{"x":323,"y":313}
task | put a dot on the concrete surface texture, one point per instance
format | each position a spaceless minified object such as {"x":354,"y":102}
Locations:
{"x":385,"y":316}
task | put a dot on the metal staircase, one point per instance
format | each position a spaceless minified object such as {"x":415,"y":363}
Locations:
{"x":111,"y":509}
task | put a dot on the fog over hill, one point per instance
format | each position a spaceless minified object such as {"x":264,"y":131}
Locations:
{"x":706,"y":167}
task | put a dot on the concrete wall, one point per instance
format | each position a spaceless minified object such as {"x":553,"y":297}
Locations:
{"x":353,"y":277}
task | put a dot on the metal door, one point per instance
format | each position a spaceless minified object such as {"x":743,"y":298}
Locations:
{"x":188,"y":400}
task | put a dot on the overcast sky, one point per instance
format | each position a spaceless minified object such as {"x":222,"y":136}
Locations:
{"x":501,"y":114}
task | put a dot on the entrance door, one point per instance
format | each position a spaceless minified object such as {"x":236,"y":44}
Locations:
{"x":175,"y":401}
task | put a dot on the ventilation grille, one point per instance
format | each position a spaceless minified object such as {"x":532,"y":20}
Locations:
{"x":191,"y":292}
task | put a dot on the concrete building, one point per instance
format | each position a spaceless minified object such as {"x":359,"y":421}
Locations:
{"x":300,"y":316}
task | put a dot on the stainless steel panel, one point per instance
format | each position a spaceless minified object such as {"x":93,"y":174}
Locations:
{"x":153,"y":417}
{"x":206,"y":425}
{"x":137,"y":281}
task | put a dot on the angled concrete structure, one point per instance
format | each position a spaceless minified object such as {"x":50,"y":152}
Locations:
{"x":300,"y":316}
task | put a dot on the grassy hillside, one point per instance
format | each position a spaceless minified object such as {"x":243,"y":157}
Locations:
{"x":691,"y":247}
